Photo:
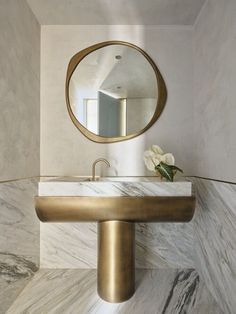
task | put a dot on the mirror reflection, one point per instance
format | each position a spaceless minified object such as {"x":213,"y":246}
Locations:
{"x":113,"y":91}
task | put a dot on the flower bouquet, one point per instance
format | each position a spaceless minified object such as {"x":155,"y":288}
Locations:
{"x":159,"y":162}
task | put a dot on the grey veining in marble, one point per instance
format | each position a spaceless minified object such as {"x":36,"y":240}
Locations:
{"x":74,"y":245}
{"x":110,"y":188}
{"x":167,"y":245}
{"x":19,"y":238}
{"x":68,"y":245}
{"x":162,"y":291}
{"x":215,"y":239}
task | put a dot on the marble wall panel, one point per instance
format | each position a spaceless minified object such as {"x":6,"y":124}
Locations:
{"x":215,"y":239}
{"x":167,"y":245}
{"x":68,"y":245}
{"x":19,"y":238}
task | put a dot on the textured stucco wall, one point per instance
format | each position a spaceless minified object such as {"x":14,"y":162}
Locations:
{"x":19,"y":91}
{"x":64,"y":150}
{"x":214,"y":91}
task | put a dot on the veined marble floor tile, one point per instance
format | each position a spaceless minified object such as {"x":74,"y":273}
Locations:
{"x":163,"y":291}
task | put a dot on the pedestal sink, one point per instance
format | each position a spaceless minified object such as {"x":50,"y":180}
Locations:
{"x":116,"y":204}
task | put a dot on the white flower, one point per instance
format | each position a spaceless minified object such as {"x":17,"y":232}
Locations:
{"x":168,"y":159}
{"x":155,"y":155}
{"x":156,"y":149}
{"x":151,"y":160}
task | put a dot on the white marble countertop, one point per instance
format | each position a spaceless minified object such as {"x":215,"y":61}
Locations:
{"x":113,"y":186}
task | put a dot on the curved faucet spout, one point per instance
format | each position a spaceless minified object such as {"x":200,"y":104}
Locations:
{"x":94,"y":166}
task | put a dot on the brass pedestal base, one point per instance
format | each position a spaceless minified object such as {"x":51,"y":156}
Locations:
{"x":115,"y":230}
{"x":116,"y":263}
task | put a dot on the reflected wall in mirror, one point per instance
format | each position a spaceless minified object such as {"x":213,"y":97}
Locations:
{"x":114,"y":91}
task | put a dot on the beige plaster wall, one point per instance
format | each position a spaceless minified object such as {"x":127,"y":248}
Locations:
{"x":19,"y":91}
{"x":64,"y":150}
{"x":214,"y":91}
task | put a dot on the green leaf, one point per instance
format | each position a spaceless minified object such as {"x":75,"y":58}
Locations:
{"x":176,"y":168}
{"x":165,"y":171}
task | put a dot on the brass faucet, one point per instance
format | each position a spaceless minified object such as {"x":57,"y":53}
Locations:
{"x":94,"y":166}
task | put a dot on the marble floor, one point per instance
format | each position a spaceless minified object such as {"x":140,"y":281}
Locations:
{"x":73,"y":291}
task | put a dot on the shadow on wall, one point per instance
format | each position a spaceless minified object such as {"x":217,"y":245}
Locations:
{"x":127,"y":156}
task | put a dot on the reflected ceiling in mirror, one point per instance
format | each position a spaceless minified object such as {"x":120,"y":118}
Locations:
{"x":114,"y":91}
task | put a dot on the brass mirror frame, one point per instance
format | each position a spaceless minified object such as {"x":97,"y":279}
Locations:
{"x":162,"y":92}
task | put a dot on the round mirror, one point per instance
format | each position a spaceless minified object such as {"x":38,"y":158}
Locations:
{"x":114,"y":91}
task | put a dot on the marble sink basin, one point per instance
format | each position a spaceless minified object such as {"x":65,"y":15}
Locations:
{"x":105,"y":179}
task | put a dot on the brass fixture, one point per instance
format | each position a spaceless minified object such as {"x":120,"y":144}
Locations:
{"x":161,"y":87}
{"x":116,"y":217}
{"x":94,"y":166}
{"x":116,"y":259}
{"x":105,"y":208}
